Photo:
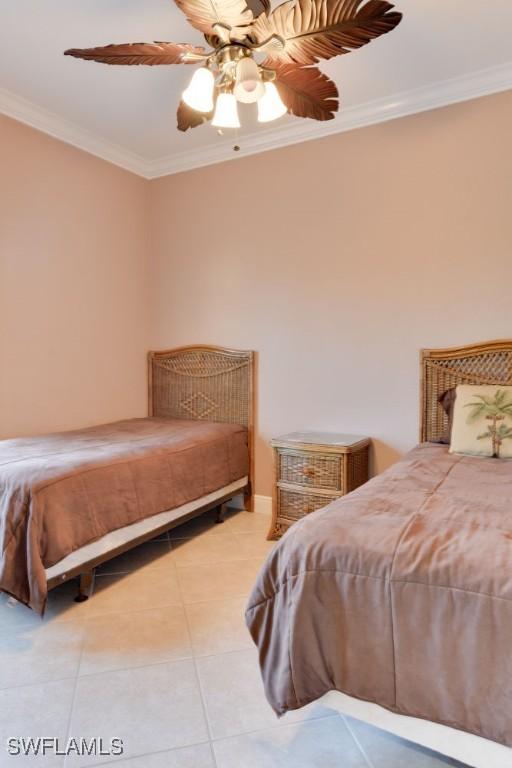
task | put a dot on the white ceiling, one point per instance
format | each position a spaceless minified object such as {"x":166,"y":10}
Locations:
{"x":129,"y":112}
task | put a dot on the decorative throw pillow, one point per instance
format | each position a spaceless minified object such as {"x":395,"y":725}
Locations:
{"x":447,"y":403}
{"x":482,"y":421}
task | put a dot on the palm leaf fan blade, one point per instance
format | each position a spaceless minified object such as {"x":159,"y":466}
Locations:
{"x":258,"y":6}
{"x":306,"y":91}
{"x":138,"y":53}
{"x":190,"y":118}
{"x":204,"y":14}
{"x":321,"y":29}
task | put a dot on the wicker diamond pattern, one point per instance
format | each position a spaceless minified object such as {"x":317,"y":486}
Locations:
{"x":205,"y":384}
{"x":199,"y":406}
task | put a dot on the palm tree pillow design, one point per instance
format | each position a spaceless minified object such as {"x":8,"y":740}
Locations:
{"x":482,"y":421}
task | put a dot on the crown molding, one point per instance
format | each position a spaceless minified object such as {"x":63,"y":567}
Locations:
{"x":52,"y":124}
{"x":440,"y":94}
{"x":433,"y":96}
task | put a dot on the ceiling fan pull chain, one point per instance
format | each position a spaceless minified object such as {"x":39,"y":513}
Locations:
{"x":236,"y":145}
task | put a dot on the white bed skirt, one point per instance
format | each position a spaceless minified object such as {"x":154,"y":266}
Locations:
{"x":471,"y":750}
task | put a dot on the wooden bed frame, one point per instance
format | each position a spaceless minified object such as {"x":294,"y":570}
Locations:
{"x":200,"y":382}
{"x":485,"y":363}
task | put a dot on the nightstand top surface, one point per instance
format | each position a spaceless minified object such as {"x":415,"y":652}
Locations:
{"x":335,"y":439}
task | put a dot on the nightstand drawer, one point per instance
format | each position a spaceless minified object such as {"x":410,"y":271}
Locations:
{"x":314,"y":470}
{"x":294,"y":505}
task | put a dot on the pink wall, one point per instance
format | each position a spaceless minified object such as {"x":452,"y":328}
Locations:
{"x":337,"y":260}
{"x":73,"y":286}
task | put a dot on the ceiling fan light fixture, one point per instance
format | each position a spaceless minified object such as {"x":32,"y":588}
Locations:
{"x":199,"y":94}
{"x":248,"y":86}
{"x":252,"y":48}
{"x":270,"y":106}
{"x":226,"y":112}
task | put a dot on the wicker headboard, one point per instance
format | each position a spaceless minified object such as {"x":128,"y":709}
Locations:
{"x":202,"y":383}
{"x":205,"y":383}
{"x":486,"y":363}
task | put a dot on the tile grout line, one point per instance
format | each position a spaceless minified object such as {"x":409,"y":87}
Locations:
{"x":193,"y":655}
{"x":84,"y":621}
{"x":173,"y":550}
{"x":278,"y":726}
{"x":135,"y":666}
{"x":111,"y":614}
{"x":198,"y":677}
{"x":99,"y":572}
{"x":195,"y":658}
{"x":196,"y":674}
{"x":213,"y":755}
{"x":358,"y":743}
{"x":62,"y":620}
{"x":77,"y":676}
{"x":228,"y":529}
{"x":211,"y":742}
{"x":107,"y":614}
{"x":175,"y":565}
{"x":149,"y":754}
{"x":189,"y":658}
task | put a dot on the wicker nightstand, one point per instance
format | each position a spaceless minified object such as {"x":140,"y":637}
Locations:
{"x":311,"y":470}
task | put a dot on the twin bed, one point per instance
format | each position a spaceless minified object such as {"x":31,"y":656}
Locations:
{"x":71,"y":501}
{"x":394,"y":603}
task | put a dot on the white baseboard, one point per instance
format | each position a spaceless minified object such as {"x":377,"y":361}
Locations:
{"x":263,"y":504}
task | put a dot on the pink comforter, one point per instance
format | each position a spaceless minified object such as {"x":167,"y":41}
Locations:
{"x":59,"y":492}
{"x":399,"y":593}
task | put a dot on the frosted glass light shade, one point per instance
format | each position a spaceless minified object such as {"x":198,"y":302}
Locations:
{"x":226,"y":112}
{"x":270,"y":106}
{"x":248,"y":86}
{"x":199,"y":94}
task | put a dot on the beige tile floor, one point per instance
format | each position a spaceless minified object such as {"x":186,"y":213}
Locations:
{"x":160,"y":657}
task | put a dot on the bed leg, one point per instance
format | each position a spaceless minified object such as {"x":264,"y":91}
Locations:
{"x":85,"y":587}
{"x":220,"y":512}
{"x":248,"y":499}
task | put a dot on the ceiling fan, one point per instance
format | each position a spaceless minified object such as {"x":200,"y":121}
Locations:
{"x":259,"y":55}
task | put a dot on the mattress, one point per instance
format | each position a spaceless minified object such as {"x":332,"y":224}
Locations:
{"x":399,"y":594}
{"x":60,"y":492}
